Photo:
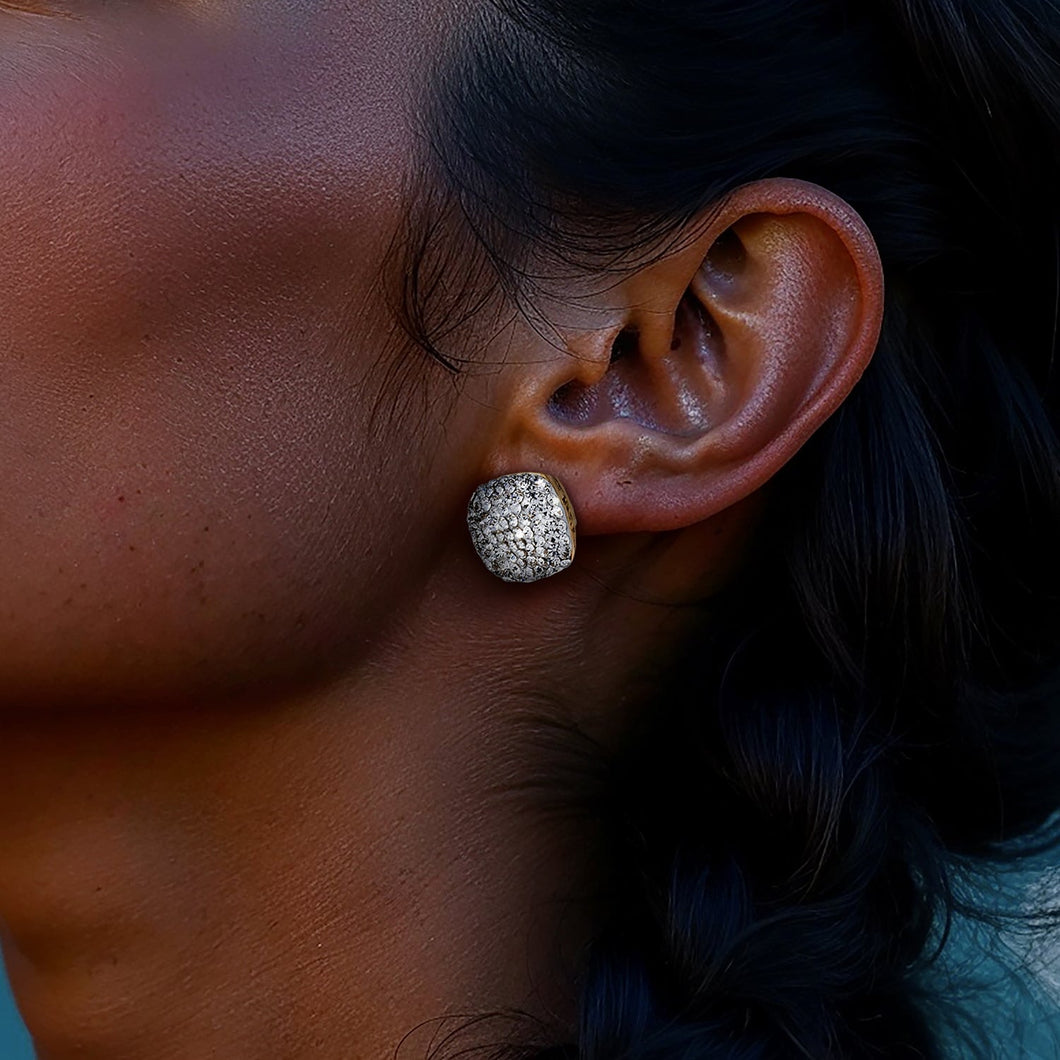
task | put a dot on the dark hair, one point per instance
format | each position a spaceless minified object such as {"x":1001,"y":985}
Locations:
{"x":873,"y":704}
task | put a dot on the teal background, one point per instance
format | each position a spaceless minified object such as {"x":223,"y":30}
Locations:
{"x":1008,"y":979}
{"x":14,"y":1041}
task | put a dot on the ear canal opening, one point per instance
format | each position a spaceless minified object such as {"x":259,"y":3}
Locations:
{"x":626,"y":343}
{"x":576,"y":402}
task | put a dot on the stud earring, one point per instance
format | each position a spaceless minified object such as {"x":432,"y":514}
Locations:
{"x":522,"y":526}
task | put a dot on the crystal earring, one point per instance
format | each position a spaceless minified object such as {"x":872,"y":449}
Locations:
{"x":522,"y":526}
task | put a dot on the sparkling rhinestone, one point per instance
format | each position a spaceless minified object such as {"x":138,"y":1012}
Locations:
{"x":519,"y":528}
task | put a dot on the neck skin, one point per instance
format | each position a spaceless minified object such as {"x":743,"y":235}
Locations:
{"x":319,"y":877}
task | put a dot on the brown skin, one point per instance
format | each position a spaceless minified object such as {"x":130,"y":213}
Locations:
{"x":267,"y":758}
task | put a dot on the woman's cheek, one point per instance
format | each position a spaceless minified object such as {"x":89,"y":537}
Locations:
{"x":184,"y":387}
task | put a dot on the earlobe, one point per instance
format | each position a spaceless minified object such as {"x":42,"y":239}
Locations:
{"x":731,"y":352}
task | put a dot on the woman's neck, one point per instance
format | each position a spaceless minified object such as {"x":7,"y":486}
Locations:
{"x":321,"y":876}
{"x":313,"y":880}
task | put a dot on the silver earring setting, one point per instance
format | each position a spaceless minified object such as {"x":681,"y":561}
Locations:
{"x":522,"y":526}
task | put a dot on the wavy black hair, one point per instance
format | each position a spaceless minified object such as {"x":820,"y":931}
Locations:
{"x":874,"y":701}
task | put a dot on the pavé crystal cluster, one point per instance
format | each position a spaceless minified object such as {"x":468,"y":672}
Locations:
{"x":520,"y":527}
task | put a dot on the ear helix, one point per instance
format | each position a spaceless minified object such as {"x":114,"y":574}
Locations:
{"x":522,"y":526}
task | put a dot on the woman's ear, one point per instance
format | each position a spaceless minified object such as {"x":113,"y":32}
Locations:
{"x":718,"y":363}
